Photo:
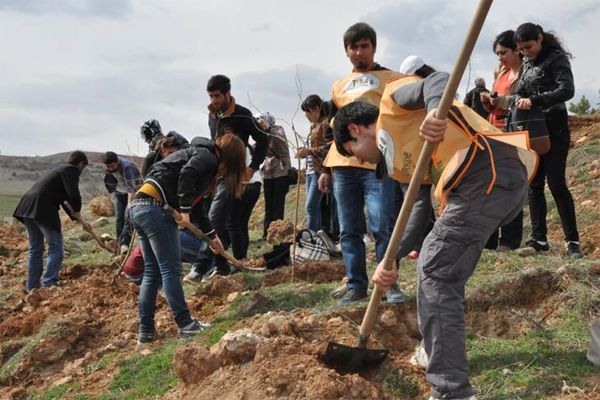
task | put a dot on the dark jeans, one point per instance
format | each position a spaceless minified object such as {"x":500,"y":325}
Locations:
{"x":329,"y":217}
{"x":552,"y":168}
{"x":509,"y":235}
{"x":275,"y":191}
{"x":36,"y":234}
{"x":159,"y":237}
{"x":123,"y":219}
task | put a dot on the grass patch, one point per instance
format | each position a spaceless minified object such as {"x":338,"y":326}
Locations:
{"x":531,"y":366}
{"x":145,"y":376}
{"x":8,"y":203}
{"x":397,"y":385}
{"x":104,"y":362}
{"x":58,"y":392}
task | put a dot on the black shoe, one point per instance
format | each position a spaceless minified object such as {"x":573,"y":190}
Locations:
{"x":574,"y":250}
{"x":351,"y":296}
{"x":537,"y":245}
{"x":193,"y":328}
{"x":146,"y":337}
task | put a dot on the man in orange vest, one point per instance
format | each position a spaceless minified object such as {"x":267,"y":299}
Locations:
{"x":354,"y":181}
{"x":486,"y":187}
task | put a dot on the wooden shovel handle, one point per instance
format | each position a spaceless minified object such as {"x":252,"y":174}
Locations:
{"x":423,"y":165}
{"x":85,"y":226}
{"x":201,"y":235}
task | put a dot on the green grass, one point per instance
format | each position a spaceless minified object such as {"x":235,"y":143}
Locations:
{"x":58,"y":392}
{"x":8,"y":203}
{"x":142,"y":377}
{"x":397,"y":385}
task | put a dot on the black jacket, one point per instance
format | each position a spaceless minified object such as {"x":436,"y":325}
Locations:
{"x":473,"y":100}
{"x":240,"y":121}
{"x":41,"y":202}
{"x":184,"y":177}
{"x":547,"y":81}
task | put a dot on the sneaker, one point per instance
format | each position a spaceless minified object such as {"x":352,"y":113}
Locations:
{"x":532,"y":247}
{"x":395,"y":295}
{"x":137,"y":279}
{"x":420,"y":358}
{"x":574,"y":250}
{"x":146,"y":337}
{"x":351,"y":296}
{"x":327,"y":240}
{"x":413,"y":255}
{"x":210,"y":274}
{"x":538,"y":245}
{"x":193,"y":328}
{"x":54,"y":285}
{"x":193,"y":277}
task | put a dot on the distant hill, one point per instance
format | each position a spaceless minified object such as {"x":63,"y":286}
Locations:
{"x":18,"y":173}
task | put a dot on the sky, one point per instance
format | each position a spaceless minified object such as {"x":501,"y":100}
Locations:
{"x":87,"y":73}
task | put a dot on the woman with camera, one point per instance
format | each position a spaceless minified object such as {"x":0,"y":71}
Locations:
{"x":546,"y":82}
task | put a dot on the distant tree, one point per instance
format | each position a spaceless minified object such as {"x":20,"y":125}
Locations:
{"x":582,"y":108}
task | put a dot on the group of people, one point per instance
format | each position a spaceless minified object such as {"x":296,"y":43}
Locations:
{"x":360,"y":155}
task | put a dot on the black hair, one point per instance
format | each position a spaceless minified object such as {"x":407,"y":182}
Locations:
{"x":76,"y":157}
{"x":359,"y":31}
{"x":170,"y":141}
{"x":315,"y":101}
{"x":110,"y":157}
{"x":506,"y":39}
{"x":220,"y":83}
{"x":150,"y":129}
{"x":357,"y":112}
{"x":530,"y":31}
{"x":424,"y":71}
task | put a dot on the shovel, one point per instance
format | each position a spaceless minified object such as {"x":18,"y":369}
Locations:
{"x":202,"y":236}
{"x":356,"y":359}
{"x":87,"y":228}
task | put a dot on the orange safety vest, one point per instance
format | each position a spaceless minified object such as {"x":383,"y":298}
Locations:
{"x":467,"y":133}
{"x":358,"y":86}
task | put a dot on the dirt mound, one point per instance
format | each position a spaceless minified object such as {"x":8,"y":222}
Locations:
{"x":313,"y":272}
{"x":13,"y":242}
{"x":280,"y":231}
{"x":221,"y":286}
{"x":101,"y":206}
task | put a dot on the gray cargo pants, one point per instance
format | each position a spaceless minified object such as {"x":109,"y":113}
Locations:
{"x":447,"y":261}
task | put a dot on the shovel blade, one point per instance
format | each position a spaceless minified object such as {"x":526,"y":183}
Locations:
{"x":346,"y":359}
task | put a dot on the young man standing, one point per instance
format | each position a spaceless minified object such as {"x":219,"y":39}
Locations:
{"x":122,"y":178}
{"x":354,"y":181}
{"x":480,"y":175}
{"x":225,"y":116}
{"x":38,"y":210}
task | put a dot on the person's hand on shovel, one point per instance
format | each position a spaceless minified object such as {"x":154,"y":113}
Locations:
{"x":216,"y":245}
{"x":385,"y":278}
{"x":433,"y":129}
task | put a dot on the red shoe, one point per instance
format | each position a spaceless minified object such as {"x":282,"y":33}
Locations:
{"x":413,"y":255}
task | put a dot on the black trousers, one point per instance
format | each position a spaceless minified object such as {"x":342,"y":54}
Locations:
{"x":509,"y":235}
{"x":237,"y":221}
{"x":552,"y":168}
{"x":275,"y":191}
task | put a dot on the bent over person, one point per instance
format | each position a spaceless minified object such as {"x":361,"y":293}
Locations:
{"x":181,"y":180}
{"x":476,"y":199}
{"x":38,"y":210}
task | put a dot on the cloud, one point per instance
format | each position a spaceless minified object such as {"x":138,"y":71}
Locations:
{"x":81,"y":8}
{"x":262,"y":27}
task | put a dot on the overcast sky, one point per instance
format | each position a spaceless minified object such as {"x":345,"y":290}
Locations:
{"x":87,"y":73}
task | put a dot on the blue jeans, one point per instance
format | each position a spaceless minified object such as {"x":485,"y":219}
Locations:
{"x":353,"y":188}
{"x":313,"y":202}
{"x":37,"y":233}
{"x":159,"y":238}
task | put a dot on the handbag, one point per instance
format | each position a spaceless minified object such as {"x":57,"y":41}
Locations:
{"x":293,"y":175}
{"x":310,"y":247}
{"x":533,"y":121}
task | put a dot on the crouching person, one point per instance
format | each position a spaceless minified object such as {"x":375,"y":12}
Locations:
{"x":480,"y":175}
{"x":180,"y":180}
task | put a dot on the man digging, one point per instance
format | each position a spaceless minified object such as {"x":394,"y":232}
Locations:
{"x":481,"y":182}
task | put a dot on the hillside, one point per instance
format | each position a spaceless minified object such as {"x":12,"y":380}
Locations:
{"x":527,"y":321}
